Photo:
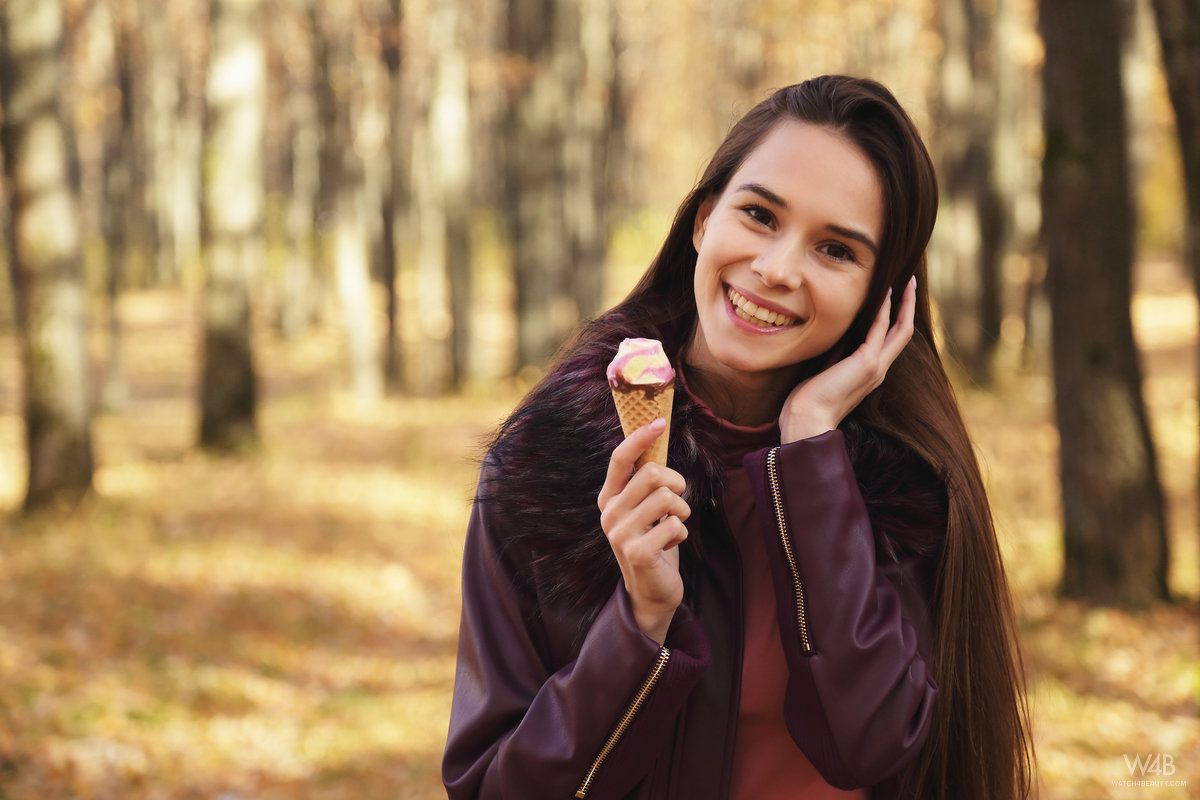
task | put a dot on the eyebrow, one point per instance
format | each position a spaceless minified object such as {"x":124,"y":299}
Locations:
{"x":849,"y":233}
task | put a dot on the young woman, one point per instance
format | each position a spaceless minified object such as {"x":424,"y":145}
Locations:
{"x":809,"y":602}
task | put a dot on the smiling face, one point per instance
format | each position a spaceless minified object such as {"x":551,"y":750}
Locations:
{"x":795,"y":231}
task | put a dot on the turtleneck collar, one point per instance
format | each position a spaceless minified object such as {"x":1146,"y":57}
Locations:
{"x":735,"y":440}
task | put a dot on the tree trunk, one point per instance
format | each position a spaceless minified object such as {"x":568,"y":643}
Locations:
{"x":143,"y":231}
{"x":134,"y":162}
{"x":1178,"y":23}
{"x":990,"y":215}
{"x":161,"y":87}
{"x":1114,"y":531}
{"x":592,"y":146}
{"x":50,"y":295}
{"x":564,"y":133}
{"x":117,"y":221}
{"x":1015,"y":179}
{"x":452,"y":131}
{"x":434,"y":320}
{"x":392,"y":190}
{"x":329,"y":161}
{"x":970,"y":231}
{"x":354,"y":294}
{"x":186,"y":173}
{"x":441,"y":193}
{"x":231,"y":229}
{"x":532,"y":137}
{"x":188,"y":22}
{"x":342,"y":200}
{"x":299,"y":303}
{"x":738,"y":65}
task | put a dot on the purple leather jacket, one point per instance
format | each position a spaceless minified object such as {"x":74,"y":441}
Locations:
{"x":627,"y":718}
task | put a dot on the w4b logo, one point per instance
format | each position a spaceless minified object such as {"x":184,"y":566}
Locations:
{"x":1154,"y":764}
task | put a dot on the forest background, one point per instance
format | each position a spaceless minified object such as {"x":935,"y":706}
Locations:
{"x":276,"y":267}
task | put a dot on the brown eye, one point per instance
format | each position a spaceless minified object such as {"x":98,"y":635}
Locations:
{"x":759,"y":214}
{"x":839,"y":252}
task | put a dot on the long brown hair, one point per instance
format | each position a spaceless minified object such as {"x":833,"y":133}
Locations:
{"x":980,"y":745}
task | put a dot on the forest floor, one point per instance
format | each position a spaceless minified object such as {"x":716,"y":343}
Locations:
{"x":283,"y":623}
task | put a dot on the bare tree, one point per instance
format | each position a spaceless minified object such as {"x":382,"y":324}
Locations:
{"x":161,"y":97}
{"x":971,"y":222}
{"x":1016,"y":177}
{"x":232,"y":220}
{"x":119,"y":190}
{"x":342,"y":205}
{"x":558,"y":136}
{"x":41,"y":174}
{"x":531,"y":136}
{"x":191,"y":41}
{"x":441,"y":159}
{"x":394,"y":187}
{"x":1178,"y":23}
{"x":739,"y":64}
{"x":592,"y":147}
{"x":1114,"y":521}
{"x":299,"y":306}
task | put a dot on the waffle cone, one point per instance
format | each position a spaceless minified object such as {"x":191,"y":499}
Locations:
{"x":635,"y":410}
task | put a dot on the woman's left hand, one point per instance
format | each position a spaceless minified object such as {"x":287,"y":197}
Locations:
{"x":819,"y":403}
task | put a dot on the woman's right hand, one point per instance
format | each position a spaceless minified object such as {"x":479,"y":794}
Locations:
{"x":642,"y":515}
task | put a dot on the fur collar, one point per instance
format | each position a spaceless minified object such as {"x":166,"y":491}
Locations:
{"x":543,"y":475}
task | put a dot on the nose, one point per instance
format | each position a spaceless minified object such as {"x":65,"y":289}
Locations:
{"x":777,"y":266}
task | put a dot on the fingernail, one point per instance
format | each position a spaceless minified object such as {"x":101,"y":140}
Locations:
{"x":658,"y":424}
{"x":912,"y":281}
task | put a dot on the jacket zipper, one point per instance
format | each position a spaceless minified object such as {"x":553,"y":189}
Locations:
{"x":777,"y":500}
{"x":663,"y":655}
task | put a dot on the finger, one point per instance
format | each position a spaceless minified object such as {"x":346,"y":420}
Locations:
{"x":645,"y":480}
{"x":679,"y":537}
{"x":878,"y":329}
{"x":634,"y":522}
{"x":632,"y":511}
{"x":644,"y":553}
{"x":658,"y":503}
{"x":901,"y":333}
{"x":651,"y":475}
{"x":671,"y":532}
{"x":624,"y":455}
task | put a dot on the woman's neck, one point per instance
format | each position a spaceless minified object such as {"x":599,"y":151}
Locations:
{"x":749,"y":409}
{"x":743,"y":398}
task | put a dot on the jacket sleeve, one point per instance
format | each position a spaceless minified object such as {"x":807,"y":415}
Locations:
{"x":856,"y":635}
{"x":520,"y":728}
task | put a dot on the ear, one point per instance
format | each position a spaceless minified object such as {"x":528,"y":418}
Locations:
{"x":706,"y":207}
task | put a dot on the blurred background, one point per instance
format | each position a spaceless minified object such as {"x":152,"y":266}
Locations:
{"x":275,"y":267}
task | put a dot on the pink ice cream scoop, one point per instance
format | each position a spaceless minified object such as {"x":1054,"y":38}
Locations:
{"x":639,"y":362}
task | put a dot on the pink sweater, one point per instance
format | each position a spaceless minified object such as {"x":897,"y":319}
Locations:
{"x":767,"y":763}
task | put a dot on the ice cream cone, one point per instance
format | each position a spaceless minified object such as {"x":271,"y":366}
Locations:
{"x":643,"y":389}
{"x":641,"y":405}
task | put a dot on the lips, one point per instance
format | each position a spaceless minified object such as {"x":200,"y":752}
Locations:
{"x":763,"y":316}
{"x":759,"y":303}
{"x":742,"y":321}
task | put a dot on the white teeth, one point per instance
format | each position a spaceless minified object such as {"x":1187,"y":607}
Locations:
{"x":748,"y":318}
{"x":753,"y":313}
